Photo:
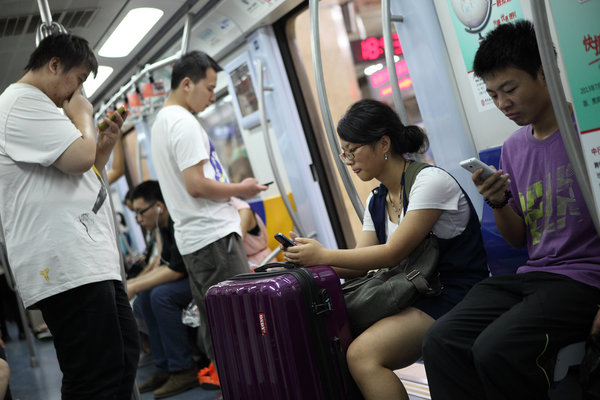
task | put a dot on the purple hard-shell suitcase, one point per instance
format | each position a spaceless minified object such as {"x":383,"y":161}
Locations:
{"x":281,"y":335}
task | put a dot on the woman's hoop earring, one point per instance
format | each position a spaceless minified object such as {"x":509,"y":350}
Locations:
{"x":385,"y":157}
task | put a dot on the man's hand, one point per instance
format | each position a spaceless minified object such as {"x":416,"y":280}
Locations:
{"x":493,"y":187}
{"x":77,"y":108}
{"x":596,"y":323}
{"x":109,"y":136}
{"x":107,"y":139}
{"x":250,"y":188}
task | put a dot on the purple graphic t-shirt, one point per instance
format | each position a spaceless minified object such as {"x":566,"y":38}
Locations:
{"x":561,"y":237}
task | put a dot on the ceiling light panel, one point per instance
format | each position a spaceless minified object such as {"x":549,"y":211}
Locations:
{"x":132,"y":29}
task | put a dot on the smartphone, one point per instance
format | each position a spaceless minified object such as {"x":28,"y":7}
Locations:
{"x":103,"y":125}
{"x":284,"y":240}
{"x":473,"y":164}
{"x":267,"y":183}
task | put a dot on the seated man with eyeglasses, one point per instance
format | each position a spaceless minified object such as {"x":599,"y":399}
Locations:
{"x":163,"y":291}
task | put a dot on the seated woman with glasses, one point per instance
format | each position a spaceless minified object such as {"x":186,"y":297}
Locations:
{"x":375,"y":144}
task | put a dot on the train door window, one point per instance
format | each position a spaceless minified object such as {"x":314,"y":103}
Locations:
{"x":221,"y":125}
{"x":353,"y":59}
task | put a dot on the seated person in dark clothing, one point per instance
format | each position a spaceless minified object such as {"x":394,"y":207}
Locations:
{"x":163,"y":292}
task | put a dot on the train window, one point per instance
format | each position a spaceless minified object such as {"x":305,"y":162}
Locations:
{"x":222,"y":128}
{"x":352,"y":50}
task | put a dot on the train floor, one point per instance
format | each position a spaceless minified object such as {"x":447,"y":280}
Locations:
{"x":43,"y":382}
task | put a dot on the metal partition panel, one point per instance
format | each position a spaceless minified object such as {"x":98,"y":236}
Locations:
{"x":435,"y":88}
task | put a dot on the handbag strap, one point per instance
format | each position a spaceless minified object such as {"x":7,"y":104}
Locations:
{"x":431,"y":287}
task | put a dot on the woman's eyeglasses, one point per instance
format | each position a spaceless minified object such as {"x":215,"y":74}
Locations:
{"x":349,"y":155}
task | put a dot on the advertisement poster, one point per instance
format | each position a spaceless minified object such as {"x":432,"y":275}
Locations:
{"x":579,"y":39}
{"x":472,"y":19}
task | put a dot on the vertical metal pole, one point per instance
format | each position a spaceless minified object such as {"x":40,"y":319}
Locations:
{"x":386,"y":25}
{"x":45,"y":14}
{"x":569,"y":135}
{"x":315,"y":46}
{"x":185,"y":40}
{"x":270,"y":154}
{"x":33,"y":361}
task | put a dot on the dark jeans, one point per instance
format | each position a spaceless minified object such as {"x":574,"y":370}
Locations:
{"x":96,"y":340}
{"x":208,"y":266}
{"x":161,"y":307}
{"x":501,"y":341}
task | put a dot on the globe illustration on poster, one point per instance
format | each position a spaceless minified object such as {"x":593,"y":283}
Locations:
{"x":474,"y":14}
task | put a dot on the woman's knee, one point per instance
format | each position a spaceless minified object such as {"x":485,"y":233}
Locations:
{"x":357,"y":353}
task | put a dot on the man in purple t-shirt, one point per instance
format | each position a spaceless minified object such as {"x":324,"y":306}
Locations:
{"x":501,"y":341}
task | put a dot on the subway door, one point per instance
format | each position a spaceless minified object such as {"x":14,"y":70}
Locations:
{"x":289,"y":137}
{"x":436,"y":90}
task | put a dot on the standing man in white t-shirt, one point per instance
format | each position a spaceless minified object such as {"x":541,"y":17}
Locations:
{"x":56,"y":217}
{"x":195,"y":186}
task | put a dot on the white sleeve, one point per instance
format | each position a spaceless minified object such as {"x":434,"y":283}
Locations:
{"x":434,"y":188}
{"x":368,"y":224}
{"x":37,"y":132}
{"x":187,"y":141}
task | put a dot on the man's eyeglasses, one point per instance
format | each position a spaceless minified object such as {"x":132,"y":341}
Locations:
{"x":140,"y":213}
{"x":349,"y":155}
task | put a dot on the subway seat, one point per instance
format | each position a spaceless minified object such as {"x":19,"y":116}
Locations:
{"x":504,"y":259}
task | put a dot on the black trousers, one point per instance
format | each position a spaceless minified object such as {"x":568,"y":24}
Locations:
{"x":96,"y":340}
{"x":501,"y":341}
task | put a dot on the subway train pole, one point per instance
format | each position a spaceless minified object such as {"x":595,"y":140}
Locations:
{"x":33,"y":361}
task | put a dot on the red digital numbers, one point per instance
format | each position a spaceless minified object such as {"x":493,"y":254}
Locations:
{"x":372,"y":48}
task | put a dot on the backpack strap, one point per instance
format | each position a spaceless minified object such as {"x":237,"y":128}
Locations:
{"x":409,"y":177}
{"x":377,"y":203}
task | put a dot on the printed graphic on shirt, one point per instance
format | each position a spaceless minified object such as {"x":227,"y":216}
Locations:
{"x":87,"y":220}
{"x":220,"y":175}
{"x":46,"y":274}
{"x":101,"y":194}
{"x":546,"y":209}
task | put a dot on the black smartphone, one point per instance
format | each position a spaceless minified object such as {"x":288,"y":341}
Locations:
{"x":267,"y":183}
{"x":284,"y":240}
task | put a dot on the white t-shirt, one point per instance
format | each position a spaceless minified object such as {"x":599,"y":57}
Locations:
{"x":57,"y":226}
{"x":179,"y":142}
{"x":433,"y":188}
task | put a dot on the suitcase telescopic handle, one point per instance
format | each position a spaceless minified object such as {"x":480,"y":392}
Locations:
{"x":286,"y":265}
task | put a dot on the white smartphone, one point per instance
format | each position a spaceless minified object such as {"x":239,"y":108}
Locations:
{"x":473,"y":164}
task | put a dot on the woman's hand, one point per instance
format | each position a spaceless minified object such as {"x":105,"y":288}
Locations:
{"x":307,"y":251}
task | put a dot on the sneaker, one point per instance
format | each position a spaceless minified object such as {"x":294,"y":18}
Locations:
{"x":156,"y":380}
{"x":209,"y":379}
{"x":208,"y":370}
{"x":178,"y":382}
